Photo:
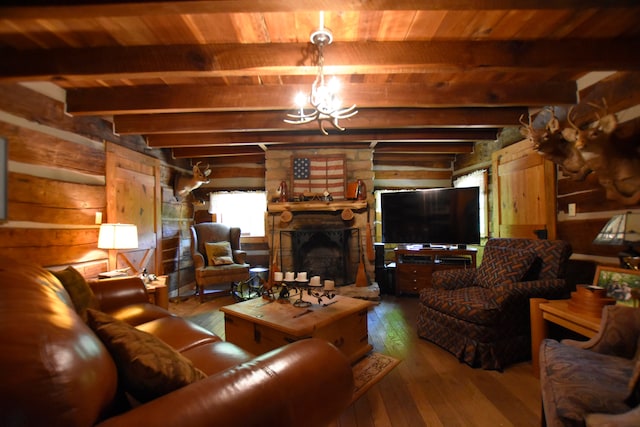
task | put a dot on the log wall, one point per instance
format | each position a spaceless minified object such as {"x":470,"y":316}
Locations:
{"x":57,"y":183}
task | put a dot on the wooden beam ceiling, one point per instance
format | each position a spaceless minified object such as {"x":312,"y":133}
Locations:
{"x":268,"y":121}
{"x":216,"y":78}
{"x":274,"y":59}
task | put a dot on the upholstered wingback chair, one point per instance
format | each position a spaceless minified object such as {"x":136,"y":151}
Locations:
{"x":482,"y":315}
{"x":217,"y":257}
{"x":596,"y":382}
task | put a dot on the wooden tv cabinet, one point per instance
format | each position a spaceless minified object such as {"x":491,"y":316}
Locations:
{"x":415,"y":266}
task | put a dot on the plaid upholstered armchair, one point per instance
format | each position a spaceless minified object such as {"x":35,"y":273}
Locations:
{"x":482,"y":315}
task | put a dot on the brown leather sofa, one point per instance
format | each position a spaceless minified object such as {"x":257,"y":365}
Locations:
{"x":56,"y":371}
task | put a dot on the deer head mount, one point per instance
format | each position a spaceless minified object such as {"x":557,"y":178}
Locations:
{"x":548,"y":141}
{"x":594,"y":147}
{"x":183,"y":185}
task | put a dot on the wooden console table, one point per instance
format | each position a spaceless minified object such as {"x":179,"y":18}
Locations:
{"x":414,"y":267}
{"x":557,"y":312}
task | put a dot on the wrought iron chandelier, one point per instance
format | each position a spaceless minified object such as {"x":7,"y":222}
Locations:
{"x":324,"y":96}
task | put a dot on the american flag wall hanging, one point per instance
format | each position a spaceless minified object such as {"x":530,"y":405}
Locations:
{"x":315,"y":175}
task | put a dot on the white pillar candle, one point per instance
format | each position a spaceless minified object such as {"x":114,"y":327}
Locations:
{"x":329,"y":285}
{"x":302,"y":276}
{"x":277,"y":276}
{"x":288,"y":276}
{"x":315,"y":281}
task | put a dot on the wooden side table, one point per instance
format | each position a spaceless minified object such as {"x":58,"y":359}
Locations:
{"x":158,"y":292}
{"x":557,"y":312}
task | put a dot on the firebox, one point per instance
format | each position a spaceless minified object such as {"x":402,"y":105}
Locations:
{"x":329,"y":253}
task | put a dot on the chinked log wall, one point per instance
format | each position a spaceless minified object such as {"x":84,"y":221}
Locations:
{"x":56,"y":184}
{"x":593,"y":209}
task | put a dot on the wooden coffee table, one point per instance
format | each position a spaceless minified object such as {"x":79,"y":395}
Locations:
{"x":259,"y":325}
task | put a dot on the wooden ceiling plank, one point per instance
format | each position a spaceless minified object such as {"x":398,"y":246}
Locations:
{"x":216,"y":60}
{"x":383,"y":118}
{"x":159,"y":99}
{"x":254,"y":138}
{"x":62,"y":9}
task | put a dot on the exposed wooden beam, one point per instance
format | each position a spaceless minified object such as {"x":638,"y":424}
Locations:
{"x":440,"y":161}
{"x":254,"y":138}
{"x":273,"y":59}
{"x":162,"y":99}
{"x":272,"y":120}
{"x":186,"y":152}
{"x":66,"y":9}
{"x":258,"y":159}
{"x":451,"y":148}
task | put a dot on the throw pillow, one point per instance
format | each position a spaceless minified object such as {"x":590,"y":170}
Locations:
{"x":78,"y":289}
{"x":503,"y":266}
{"x":219,"y":253}
{"x":148,"y":367}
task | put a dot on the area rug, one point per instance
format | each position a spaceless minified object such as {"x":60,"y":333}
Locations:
{"x":369,"y":370}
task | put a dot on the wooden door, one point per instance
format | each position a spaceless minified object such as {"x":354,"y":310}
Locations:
{"x":134,"y":197}
{"x":524,"y":193}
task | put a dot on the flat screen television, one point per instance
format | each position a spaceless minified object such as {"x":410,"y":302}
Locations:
{"x":436,"y":216}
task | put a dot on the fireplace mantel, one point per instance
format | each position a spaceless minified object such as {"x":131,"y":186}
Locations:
{"x":317,"y":206}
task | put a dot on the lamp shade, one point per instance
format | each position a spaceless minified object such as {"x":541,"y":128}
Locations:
{"x":118,"y":236}
{"x":623,"y":229}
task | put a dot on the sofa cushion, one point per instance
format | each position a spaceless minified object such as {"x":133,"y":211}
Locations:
{"x":148,"y":367}
{"x":503,"y":266}
{"x":219,"y":253}
{"x":78,"y":289}
{"x":597,"y":383}
{"x":473,"y":304}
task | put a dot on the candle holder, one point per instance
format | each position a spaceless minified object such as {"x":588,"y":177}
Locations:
{"x":300,"y":286}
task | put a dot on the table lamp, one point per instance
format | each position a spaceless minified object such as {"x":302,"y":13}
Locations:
{"x":623,"y":229}
{"x":115,"y":237}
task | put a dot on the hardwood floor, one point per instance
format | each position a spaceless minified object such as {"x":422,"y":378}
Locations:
{"x":429,"y":387}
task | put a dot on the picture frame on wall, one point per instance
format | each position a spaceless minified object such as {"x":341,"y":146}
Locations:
{"x":4,"y":175}
{"x":621,"y":284}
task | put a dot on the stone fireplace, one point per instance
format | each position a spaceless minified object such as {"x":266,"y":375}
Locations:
{"x":317,"y":236}
{"x":331,"y":253}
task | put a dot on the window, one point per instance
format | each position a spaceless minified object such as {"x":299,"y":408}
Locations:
{"x":242,"y":209}
{"x":477,"y":179}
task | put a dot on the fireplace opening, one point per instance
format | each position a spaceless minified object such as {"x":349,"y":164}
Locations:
{"x":329,"y":253}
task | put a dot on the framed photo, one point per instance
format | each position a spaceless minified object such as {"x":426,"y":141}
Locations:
{"x":619,"y":282}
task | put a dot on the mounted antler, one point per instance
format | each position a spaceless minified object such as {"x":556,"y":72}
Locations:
{"x":184,"y":185}
{"x":548,"y":142}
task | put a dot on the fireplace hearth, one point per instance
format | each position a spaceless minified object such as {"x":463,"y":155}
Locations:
{"x":330,"y":253}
